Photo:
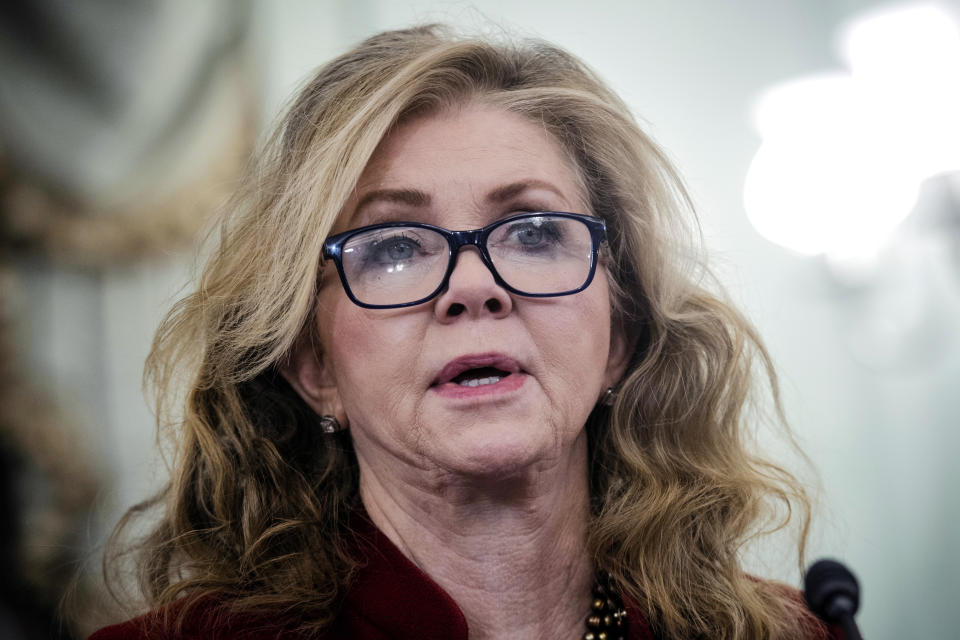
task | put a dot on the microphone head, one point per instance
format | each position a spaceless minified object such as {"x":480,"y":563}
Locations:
{"x":831,"y":590}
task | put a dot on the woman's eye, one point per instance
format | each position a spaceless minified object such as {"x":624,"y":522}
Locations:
{"x":398,"y":249}
{"x":383,"y":249}
{"x":534,"y":234}
{"x":529,"y":234}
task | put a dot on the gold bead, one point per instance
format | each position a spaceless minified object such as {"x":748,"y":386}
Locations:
{"x":597,"y":605}
{"x":602,"y":636}
{"x":589,"y":635}
{"x":607,"y":621}
{"x":593,"y":622}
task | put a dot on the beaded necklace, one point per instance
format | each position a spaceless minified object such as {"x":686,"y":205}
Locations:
{"x":608,"y":617}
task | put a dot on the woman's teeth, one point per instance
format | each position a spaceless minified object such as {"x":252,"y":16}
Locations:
{"x":476,"y":382}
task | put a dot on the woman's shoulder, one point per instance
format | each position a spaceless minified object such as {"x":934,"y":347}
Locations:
{"x":129,"y":630}
{"x":810,"y":625}
{"x":203,"y":620}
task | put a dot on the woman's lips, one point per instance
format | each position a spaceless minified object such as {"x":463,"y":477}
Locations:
{"x":510,"y":382}
{"x":476,"y":361}
{"x":500,"y":374}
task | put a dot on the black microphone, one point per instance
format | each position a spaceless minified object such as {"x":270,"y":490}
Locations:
{"x":832,"y":592}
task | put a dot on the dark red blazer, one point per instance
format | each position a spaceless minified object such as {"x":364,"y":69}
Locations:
{"x":391,"y":599}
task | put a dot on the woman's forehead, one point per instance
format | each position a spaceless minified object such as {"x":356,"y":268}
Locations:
{"x":479,"y":158}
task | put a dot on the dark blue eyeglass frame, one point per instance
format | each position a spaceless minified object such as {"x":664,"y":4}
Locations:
{"x":333,"y":250}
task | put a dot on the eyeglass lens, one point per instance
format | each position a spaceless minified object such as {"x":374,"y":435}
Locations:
{"x":535,"y":255}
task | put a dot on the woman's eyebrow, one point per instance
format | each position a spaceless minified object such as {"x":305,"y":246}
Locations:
{"x":500,"y":194}
{"x":411,"y":197}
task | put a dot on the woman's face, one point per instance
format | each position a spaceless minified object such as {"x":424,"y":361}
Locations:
{"x":463,"y":169}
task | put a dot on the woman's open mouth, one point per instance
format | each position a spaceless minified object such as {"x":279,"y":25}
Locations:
{"x":478,"y":374}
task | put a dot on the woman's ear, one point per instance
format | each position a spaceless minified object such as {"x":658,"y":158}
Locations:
{"x":313,"y":381}
{"x":622,"y":347}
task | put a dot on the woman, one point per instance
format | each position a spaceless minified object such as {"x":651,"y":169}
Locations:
{"x":504,"y":406}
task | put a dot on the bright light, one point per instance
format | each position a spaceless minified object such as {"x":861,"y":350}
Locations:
{"x":843,"y":154}
{"x":907,"y":61}
{"x":824,"y":180}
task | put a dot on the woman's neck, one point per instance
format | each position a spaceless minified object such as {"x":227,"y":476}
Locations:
{"x":511,"y":552}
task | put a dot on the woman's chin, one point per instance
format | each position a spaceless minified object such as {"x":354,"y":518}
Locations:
{"x":495,"y":456}
{"x":493,"y":463}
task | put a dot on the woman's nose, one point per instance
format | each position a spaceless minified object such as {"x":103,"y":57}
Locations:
{"x":472,"y":290}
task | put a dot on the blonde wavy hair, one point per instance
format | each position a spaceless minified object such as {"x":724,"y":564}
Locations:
{"x":255,"y":511}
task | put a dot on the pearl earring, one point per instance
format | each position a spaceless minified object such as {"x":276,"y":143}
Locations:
{"x":608,"y":398}
{"x":329,"y":424}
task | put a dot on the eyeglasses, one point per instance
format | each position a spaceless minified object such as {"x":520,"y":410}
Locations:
{"x":401,"y":264}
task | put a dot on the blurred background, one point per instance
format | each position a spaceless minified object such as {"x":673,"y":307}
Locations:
{"x":820,"y":140}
